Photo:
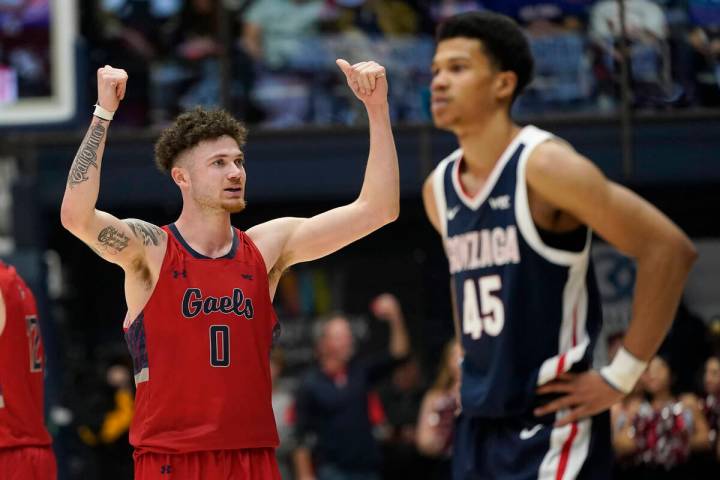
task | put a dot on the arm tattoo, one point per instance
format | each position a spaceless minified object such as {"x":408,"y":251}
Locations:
{"x":87,"y":156}
{"x":112,"y":240}
{"x":146,"y":232}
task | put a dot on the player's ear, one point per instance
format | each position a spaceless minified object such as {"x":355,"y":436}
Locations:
{"x":180,"y":176}
{"x":505,"y":84}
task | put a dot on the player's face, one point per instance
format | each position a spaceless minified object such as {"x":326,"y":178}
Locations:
{"x":712,"y":375}
{"x":657,"y":377}
{"x":464,"y":88}
{"x":217,"y":175}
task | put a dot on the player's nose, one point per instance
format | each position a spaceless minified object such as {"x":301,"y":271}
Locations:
{"x":439,"y":82}
{"x":236,"y":171}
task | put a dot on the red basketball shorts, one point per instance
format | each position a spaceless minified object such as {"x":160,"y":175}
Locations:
{"x":245,"y":464}
{"x":27,"y":463}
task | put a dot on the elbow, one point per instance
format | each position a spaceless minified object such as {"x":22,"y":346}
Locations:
{"x":685,"y":252}
{"x":69,"y":218}
{"x":392,"y":214}
{"x":379,"y":215}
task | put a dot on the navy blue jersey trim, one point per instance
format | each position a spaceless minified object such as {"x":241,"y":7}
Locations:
{"x":230,"y":255}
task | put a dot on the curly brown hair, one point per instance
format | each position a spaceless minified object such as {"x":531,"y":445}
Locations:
{"x":193,"y":127}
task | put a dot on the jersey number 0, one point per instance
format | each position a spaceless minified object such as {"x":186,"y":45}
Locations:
{"x":220,"y":345}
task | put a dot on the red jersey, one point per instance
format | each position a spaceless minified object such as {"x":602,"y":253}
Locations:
{"x":201,"y":352}
{"x":22,"y":362}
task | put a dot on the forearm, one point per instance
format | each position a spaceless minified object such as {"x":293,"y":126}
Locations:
{"x":303,"y":463}
{"x":661,"y":276}
{"x":399,"y":340}
{"x":83,"y":182}
{"x":381,"y":186}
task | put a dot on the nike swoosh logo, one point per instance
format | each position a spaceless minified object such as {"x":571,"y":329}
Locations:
{"x":526,"y":434}
{"x":453,"y":212}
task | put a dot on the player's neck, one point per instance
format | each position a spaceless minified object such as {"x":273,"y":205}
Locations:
{"x":332,"y":366}
{"x":484,"y":142}
{"x":210,"y":235}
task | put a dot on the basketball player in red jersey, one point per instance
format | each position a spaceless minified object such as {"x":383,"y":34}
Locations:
{"x":199,"y":293}
{"x":25,"y":452}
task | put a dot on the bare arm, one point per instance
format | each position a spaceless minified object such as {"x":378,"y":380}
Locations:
{"x":124,"y":243}
{"x":387,"y":307}
{"x":303,"y":464}
{"x":428,"y":442}
{"x":434,"y":218}
{"x":287,"y":241}
{"x":700,"y":439}
{"x":663,"y":253}
{"x":430,"y":205}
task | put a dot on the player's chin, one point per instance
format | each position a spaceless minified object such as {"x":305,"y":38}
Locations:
{"x":234,"y":206}
{"x":442,"y":121}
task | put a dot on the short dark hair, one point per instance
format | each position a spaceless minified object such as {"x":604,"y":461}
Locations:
{"x":191,"y":128}
{"x":503,"y":41}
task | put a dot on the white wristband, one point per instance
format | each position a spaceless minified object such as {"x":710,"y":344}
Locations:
{"x":100,"y":112}
{"x":624,"y":371}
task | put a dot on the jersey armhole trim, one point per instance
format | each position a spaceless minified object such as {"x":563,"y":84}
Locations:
{"x":525,"y":223}
{"x":438,"y":179}
{"x":128,"y":321}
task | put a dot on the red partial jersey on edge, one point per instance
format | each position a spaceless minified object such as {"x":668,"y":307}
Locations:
{"x":22,"y":361}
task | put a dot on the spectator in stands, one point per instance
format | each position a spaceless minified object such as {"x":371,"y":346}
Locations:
{"x":444,"y":9}
{"x":666,"y":429}
{"x":437,"y":413}
{"x":704,"y":42}
{"x":274,"y":29}
{"x":379,"y":18}
{"x":543,"y":16}
{"x":282,"y":404}
{"x":711,"y":407}
{"x":333,"y":429}
{"x":647,"y":34}
{"x":191,"y":76}
{"x":133,"y":34}
{"x":400,"y":395}
{"x":563,"y":79}
{"x":280,"y":37}
{"x":110,"y":411}
{"x":622,"y":416}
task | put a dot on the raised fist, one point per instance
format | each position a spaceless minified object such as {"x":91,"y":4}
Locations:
{"x":111,"y":87}
{"x":386,"y":307}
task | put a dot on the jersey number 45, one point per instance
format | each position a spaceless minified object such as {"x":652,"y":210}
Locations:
{"x":484,"y":312}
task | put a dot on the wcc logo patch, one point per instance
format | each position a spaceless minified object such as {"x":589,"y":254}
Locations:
{"x":194,"y":303}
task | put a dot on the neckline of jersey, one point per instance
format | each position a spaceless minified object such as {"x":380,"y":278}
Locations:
{"x":230,"y":255}
{"x":474,"y":202}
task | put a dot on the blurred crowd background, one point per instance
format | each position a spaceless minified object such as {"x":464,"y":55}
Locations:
{"x":279,"y":54}
{"x":272,"y":64}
